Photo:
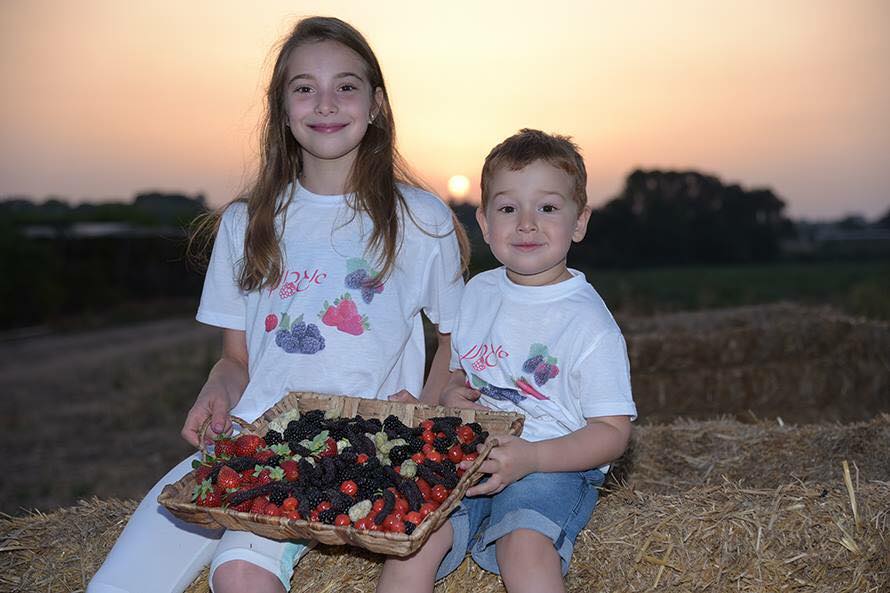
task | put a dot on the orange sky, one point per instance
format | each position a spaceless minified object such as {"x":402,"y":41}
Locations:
{"x":106,"y":98}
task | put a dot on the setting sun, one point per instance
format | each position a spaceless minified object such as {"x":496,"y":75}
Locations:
{"x":458,"y":186}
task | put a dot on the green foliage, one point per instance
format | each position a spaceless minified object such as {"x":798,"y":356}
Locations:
{"x":859,"y":288}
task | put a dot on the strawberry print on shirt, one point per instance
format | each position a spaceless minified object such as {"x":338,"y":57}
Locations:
{"x":344,"y":315}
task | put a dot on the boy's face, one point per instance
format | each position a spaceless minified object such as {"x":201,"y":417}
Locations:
{"x":530,"y":222}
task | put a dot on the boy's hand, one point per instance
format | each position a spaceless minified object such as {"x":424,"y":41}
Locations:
{"x":511,"y":460}
{"x":460,"y":396}
{"x":403,"y":396}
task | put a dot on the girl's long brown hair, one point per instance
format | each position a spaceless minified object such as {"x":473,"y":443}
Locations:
{"x":377,"y":168}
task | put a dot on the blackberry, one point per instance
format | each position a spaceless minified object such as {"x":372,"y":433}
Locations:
{"x":341,"y":502}
{"x":298,"y":449}
{"x":273,"y":437}
{"x":412,"y":494}
{"x":532,"y":363}
{"x":399,"y":453}
{"x":389,"y":502}
{"x":313,"y":496}
{"x":392,"y":476}
{"x":409,"y":527}
{"x":313,"y":417}
{"x":442,"y":444}
{"x":394,"y":427}
{"x":446,"y":424}
{"x":328,"y":516}
{"x":242,"y":495}
{"x":277,"y":496}
{"x":414,"y":442}
{"x":477,"y":428}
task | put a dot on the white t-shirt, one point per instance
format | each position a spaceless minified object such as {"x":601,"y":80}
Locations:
{"x":552,"y":353}
{"x":325,"y":327}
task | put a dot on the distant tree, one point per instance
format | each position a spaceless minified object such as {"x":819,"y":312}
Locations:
{"x":684,"y":217}
{"x":884,"y":221}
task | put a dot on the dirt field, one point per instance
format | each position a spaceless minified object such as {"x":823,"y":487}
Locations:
{"x":78,"y":408}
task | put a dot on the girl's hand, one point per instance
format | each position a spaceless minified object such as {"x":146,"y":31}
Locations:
{"x":511,"y":460}
{"x":460,"y":396}
{"x":210,"y":403}
{"x":403,"y":396}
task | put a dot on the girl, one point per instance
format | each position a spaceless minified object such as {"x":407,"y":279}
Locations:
{"x":317,"y":281}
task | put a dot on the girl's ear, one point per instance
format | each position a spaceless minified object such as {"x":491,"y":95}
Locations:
{"x":483,"y":223}
{"x":581,"y":224}
{"x":379,"y":103}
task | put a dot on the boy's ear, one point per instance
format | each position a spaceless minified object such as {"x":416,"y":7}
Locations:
{"x":483,"y":224}
{"x":581,"y":224}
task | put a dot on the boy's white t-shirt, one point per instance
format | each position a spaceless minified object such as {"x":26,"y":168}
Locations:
{"x":552,"y":353}
{"x":326,"y":328}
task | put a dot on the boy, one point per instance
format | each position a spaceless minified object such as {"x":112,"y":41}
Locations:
{"x":532,"y":336}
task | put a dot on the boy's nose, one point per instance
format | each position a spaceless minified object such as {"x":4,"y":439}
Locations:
{"x":527,"y":223}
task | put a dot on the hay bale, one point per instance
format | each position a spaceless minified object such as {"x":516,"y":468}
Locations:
{"x":720,"y":538}
{"x":687,"y":453}
{"x":811,"y":363}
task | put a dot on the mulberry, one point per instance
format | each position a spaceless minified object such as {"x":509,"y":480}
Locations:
{"x":354,"y":279}
{"x":532,"y":363}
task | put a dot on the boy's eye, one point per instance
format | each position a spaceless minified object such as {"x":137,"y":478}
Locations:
{"x":507,"y":209}
{"x":549,"y":208}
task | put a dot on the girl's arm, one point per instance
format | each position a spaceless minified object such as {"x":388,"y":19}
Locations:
{"x":439,"y":374}
{"x":223,"y":389}
{"x":603,"y":440}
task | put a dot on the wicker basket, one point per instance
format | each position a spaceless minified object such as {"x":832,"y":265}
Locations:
{"x":177,"y":497}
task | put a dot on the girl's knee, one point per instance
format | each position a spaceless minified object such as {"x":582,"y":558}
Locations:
{"x":236,"y":576}
{"x":518,"y":548}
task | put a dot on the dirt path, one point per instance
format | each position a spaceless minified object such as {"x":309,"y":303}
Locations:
{"x":97,"y":412}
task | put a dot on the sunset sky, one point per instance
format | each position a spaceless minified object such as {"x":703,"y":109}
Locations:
{"x":103,"y":99}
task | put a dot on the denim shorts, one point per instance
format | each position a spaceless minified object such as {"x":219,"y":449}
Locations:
{"x":557,"y":504}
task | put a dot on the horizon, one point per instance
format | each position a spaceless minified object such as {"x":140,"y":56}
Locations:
{"x":137,"y":98}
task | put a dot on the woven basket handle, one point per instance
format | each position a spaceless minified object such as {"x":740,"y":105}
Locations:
{"x":202,"y":444}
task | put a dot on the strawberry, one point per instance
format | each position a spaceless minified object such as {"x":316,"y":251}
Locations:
{"x":247,"y":444}
{"x":290,"y":504}
{"x":354,"y":326}
{"x":272,"y":510}
{"x":271,"y":322}
{"x":428,"y":436}
{"x":465,"y":434}
{"x":424,"y":488}
{"x":455,"y":454}
{"x":264,"y":455}
{"x":418,"y":458}
{"x":291,"y":470}
{"x":330,"y":448}
{"x":295,"y":515}
{"x":439,"y":493}
{"x":342,"y":520}
{"x":414,"y":517}
{"x":363,"y":524}
{"x":471,"y":456}
{"x":258,"y":504}
{"x":323,"y":506}
{"x":426,"y":425}
{"x":228,"y":478}
{"x":434,"y":456}
{"x":394,"y":524}
{"x":349,"y":488}
{"x":207,"y":495}
{"x":202,"y":473}
{"x":243,"y":507}
{"x":224,"y":447}
{"x":427,"y":508}
{"x":361,"y":458}
{"x":263,"y":476}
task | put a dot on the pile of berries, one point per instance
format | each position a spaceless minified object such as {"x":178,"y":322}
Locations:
{"x":364,"y":473}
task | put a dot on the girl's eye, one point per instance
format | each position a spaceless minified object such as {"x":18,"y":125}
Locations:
{"x":302,"y":89}
{"x":348,"y":87}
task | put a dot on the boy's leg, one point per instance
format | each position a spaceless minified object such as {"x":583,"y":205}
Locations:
{"x":555,"y":506}
{"x":418,"y":571}
{"x":156,"y":551}
{"x":520,"y":549}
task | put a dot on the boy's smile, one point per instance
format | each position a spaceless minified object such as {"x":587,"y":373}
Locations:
{"x":530,"y":222}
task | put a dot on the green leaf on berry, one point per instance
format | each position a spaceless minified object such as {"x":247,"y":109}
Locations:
{"x":537,"y":349}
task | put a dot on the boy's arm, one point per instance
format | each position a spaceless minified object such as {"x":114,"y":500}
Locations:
{"x":603,"y":440}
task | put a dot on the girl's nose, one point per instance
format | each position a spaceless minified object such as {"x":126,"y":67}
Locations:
{"x":326,"y":104}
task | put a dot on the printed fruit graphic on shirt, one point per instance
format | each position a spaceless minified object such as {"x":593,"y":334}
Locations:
{"x":494,"y":392}
{"x":271,"y":322}
{"x":540,"y":364}
{"x":344,"y":315}
{"x":361,"y":276}
{"x":297,"y":337}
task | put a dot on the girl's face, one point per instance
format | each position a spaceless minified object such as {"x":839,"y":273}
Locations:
{"x":329,"y":99}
